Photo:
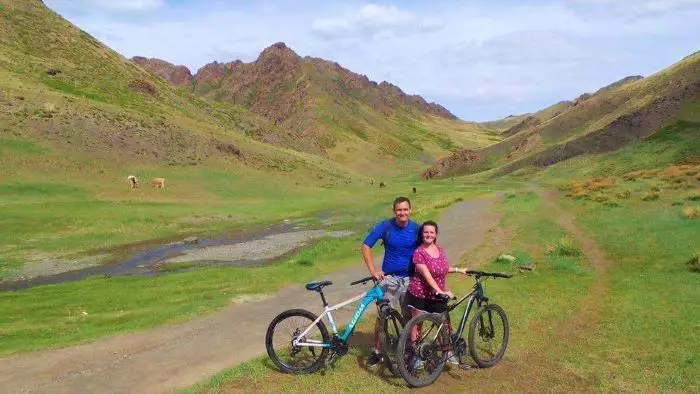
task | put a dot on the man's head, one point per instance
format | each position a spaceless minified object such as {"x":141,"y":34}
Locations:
{"x":402,"y":210}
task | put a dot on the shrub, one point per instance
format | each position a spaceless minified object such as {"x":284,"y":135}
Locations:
{"x":651,"y":196}
{"x":611,"y":204}
{"x":691,"y":212}
{"x":566,"y":246}
{"x":580,"y":194}
{"x":624,"y":194}
{"x":694,"y":262}
{"x":694,"y":196}
{"x":655,"y":189}
{"x":601,"y":198}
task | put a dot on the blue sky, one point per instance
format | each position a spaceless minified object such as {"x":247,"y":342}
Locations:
{"x":482,"y":60}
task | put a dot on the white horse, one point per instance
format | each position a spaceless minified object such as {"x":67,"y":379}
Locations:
{"x":133,"y":181}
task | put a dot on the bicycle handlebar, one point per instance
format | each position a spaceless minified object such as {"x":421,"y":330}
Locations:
{"x":491,"y":274}
{"x":367,"y":279}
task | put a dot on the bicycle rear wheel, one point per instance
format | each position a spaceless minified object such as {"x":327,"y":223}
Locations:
{"x":488,"y":335}
{"x":389,"y":338}
{"x":421,"y":360}
{"x":281,"y":333}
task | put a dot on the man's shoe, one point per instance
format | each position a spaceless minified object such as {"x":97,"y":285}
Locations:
{"x":452,"y":359}
{"x":374,"y":359}
{"x":418,"y":364}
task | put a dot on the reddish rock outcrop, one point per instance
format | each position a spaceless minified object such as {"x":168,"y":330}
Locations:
{"x":177,"y":75}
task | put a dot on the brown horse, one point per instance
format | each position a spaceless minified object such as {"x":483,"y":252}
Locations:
{"x":158,"y":183}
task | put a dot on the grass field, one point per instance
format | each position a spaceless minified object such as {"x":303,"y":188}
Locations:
{"x":52,"y":316}
{"x":627,"y":322}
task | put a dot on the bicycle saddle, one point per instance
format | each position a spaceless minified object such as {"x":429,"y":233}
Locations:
{"x":315,"y":286}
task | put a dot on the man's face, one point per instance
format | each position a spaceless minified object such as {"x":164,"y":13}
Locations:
{"x":402,"y":211}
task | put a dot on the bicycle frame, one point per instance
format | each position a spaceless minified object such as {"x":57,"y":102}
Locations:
{"x":366,"y":298}
{"x":476,"y":294}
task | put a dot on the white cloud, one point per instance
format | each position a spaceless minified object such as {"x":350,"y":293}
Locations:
{"x":375,"y":20}
{"x":108,"y":6}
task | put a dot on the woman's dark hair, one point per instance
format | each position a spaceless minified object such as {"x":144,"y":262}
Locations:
{"x":427,"y":223}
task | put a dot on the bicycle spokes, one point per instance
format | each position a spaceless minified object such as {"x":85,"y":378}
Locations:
{"x":286,"y":333}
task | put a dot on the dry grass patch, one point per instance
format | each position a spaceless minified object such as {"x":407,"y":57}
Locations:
{"x":673,"y":172}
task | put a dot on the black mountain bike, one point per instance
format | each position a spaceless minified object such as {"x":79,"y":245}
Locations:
{"x":421,"y":360}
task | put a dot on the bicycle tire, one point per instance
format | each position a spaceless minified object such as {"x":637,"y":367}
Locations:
{"x":406,"y":355}
{"x":484,"y":321}
{"x":389,"y":338}
{"x":315,"y":362}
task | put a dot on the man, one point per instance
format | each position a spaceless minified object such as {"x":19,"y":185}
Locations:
{"x":400,"y":239}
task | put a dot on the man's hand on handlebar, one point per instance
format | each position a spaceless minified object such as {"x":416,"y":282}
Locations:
{"x":378,"y":275}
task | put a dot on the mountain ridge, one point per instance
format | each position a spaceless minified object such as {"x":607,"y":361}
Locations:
{"x":317,"y":106}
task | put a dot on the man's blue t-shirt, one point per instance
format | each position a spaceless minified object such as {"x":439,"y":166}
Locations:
{"x":399,"y":244}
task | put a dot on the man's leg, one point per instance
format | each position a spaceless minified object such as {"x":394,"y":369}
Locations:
{"x":375,"y":357}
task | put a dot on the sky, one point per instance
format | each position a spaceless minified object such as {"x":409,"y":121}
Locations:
{"x":481,"y":59}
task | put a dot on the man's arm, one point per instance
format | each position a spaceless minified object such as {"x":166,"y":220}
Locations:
{"x":367,"y":256}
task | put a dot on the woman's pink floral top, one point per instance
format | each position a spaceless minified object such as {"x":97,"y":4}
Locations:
{"x":438,"y":268}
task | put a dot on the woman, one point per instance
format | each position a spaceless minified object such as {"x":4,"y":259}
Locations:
{"x":429,"y":280}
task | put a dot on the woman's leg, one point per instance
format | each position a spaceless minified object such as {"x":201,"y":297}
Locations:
{"x":415,"y":330}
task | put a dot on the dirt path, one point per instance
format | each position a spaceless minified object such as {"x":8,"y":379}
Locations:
{"x":177,"y":356}
{"x":533,"y":371}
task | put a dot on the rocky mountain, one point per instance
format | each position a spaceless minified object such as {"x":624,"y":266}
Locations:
{"x":608,"y":119}
{"x":177,"y":75}
{"x":316,"y":105}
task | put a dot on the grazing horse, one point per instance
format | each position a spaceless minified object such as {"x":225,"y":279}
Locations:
{"x":133,"y":181}
{"x":414,"y":189}
{"x":382,"y":184}
{"x":158,"y":183}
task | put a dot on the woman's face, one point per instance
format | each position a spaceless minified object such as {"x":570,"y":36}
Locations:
{"x":429,"y":234}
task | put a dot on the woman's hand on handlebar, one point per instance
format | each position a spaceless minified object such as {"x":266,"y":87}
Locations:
{"x":446,"y":294}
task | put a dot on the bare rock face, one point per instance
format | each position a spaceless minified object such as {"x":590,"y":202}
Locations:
{"x":177,"y":75}
{"x":279,"y":84}
{"x":460,"y":160}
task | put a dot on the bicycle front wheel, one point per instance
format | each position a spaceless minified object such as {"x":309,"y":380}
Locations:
{"x":389,"y":337}
{"x":282,"y":332}
{"x":488,"y":335}
{"x":422,"y":350}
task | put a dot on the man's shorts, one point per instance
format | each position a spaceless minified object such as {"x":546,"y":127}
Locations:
{"x":394,"y":288}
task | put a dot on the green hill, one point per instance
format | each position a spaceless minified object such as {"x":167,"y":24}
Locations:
{"x":614,"y":116}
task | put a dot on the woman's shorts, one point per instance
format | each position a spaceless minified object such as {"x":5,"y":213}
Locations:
{"x":425,"y":305}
